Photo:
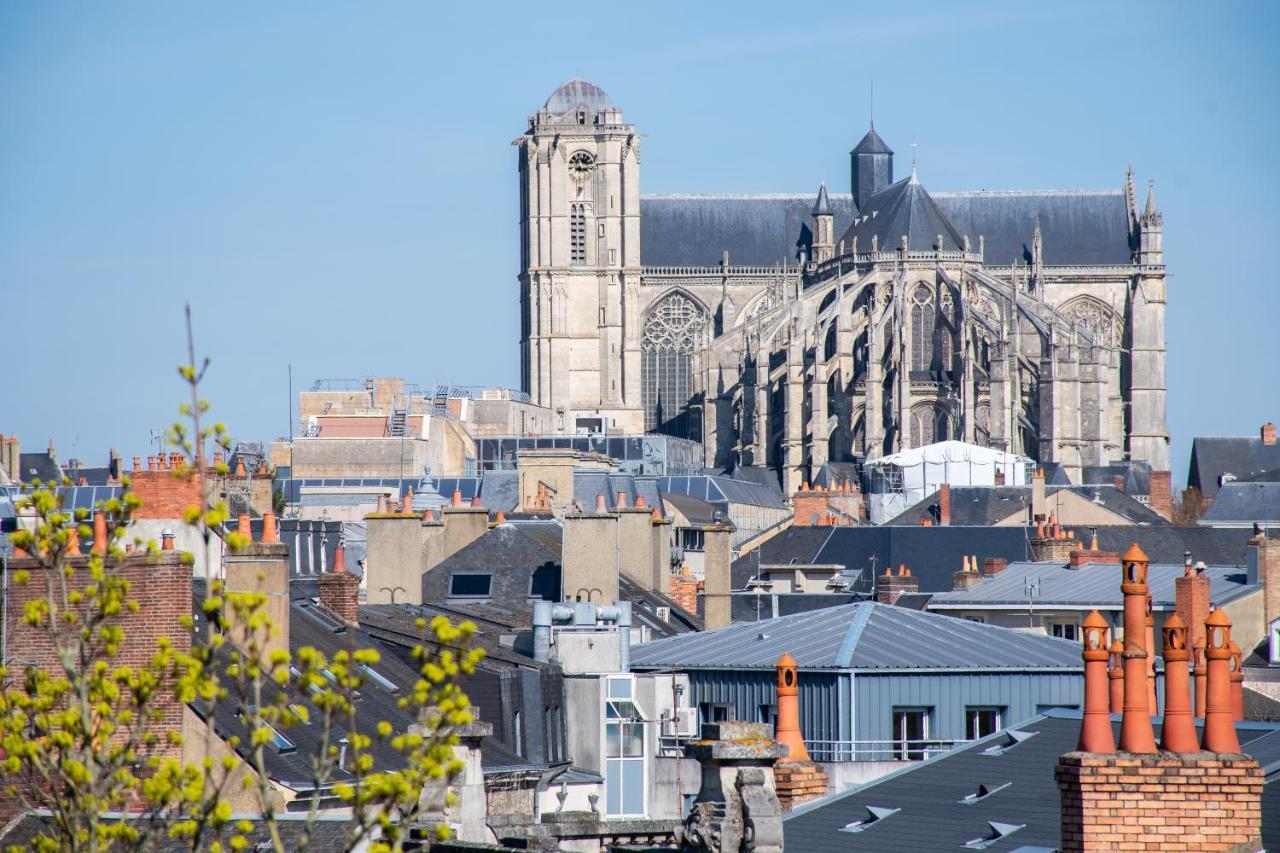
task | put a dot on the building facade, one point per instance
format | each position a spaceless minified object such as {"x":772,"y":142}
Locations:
{"x":787,"y":330}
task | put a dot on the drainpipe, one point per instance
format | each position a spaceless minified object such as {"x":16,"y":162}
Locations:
{"x":545,"y":614}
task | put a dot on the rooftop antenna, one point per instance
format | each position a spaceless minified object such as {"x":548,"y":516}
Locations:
{"x":873,"y":104}
{"x":914,"y":146}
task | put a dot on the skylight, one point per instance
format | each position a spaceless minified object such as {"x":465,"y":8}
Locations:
{"x":875,"y":814}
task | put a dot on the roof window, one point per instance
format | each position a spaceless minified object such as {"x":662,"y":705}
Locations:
{"x":470,"y":585}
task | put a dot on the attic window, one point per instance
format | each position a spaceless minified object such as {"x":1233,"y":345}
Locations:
{"x":999,"y":832}
{"x":469,"y":585}
{"x":875,"y":815}
{"x":982,"y":793}
{"x":1011,"y":739}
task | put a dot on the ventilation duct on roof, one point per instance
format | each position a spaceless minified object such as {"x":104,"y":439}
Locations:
{"x":1011,"y":739}
{"x":999,"y":832}
{"x":875,"y":815}
{"x":982,"y":793}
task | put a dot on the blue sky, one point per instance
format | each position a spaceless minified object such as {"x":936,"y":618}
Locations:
{"x":332,"y":185}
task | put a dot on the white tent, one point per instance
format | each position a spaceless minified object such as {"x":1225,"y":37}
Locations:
{"x":903,"y":479}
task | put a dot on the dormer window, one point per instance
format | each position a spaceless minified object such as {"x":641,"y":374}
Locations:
{"x":582,"y":116}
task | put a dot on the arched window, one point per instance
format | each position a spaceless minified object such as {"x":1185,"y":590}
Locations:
{"x":829,"y":347}
{"x":982,"y":424}
{"x":673,"y":332}
{"x":929,"y":424}
{"x":946,"y":335}
{"x":922,"y":328}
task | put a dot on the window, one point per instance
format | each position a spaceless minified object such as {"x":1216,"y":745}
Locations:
{"x":673,"y":332}
{"x":768,"y":715}
{"x":577,"y":234}
{"x":714,"y":712}
{"x":1065,"y":630}
{"x":691,"y":540}
{"x":624,"y":750}
{"x":929,"y":424}
{"x":469,"y":585}
{"x":517,"y":735}
{"x":910,"y":731}
{"x":980,"y":722}
{"x":922,"y":328}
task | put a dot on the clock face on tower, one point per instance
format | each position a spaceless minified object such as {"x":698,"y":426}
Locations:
{"x":581,"y":165}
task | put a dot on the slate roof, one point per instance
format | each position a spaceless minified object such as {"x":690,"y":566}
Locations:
{"x":696,"y":510}
{"x":328,"y":834}
{"x":822,"y":206}
{"x":1215,"y":546}
{"x":980,"y":505}
{"x":929,"y":794}
{"x":866,"y":637}
{"x":903,"y":208}
{"x":1089,"y":586}
{"x":38,"y":466}
{"x":1083,"y":227}
{"x":1244,"y":503}
{"x":871,"y":144}
{"x":1241,"y":457}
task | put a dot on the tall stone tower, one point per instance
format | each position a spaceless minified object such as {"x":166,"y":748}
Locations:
{"x":1148,"y":434}
{"x":580,"y":261}
{"x":870,"y":167}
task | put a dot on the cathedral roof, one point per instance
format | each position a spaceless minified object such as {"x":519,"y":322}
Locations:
{"x":577,"y":91}
{"x":1080,"y":227}
{"x":903,"y":209}
{"x":871,"y":144}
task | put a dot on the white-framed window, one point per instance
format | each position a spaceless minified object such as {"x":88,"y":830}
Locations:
{"x":982,"y":721}
{"x":910,"y":731}
{"x":1065,"y":630}
{"x":625,"y":762}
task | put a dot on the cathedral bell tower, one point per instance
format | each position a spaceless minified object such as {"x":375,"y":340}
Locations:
{"x":580,"y":261}
{"x":1148,"y":433}
{"x":870,"y":167}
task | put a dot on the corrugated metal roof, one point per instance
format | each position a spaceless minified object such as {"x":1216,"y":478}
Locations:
{"x":862,"y":636}
{"x":1094,"y":585}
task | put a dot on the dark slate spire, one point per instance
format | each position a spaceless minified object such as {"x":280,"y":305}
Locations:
{"x":822,"y":207}
{"x":870,"y":167}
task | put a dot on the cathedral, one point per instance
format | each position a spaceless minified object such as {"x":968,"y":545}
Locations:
{"x":791,"y":330}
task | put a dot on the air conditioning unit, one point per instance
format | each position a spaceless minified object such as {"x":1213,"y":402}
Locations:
{"x":685,"y":726}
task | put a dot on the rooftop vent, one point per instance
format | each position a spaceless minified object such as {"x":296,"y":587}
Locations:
{"x":875,"y":815}
{"x":982,"y":793}
{"x":999,"y":832}
{"x":1010,"y":739}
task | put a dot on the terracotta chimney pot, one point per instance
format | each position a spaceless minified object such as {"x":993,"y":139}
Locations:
{"x":137,"y":463}
{"x":787,"y":728}
{"x":1179,"y":732}
{"x":475,"y":501}
{"x":1095,"y":728}
{"x":166,"y":540}
{"x":1136,"y":734}
{"x":641,"y":503}
{"x":456,"y":500}
{"x":99,"y":532}
{"x":804,"y":487}
{"x":339,"y":560}
{"x":262,"y":468}
{"x":239,"y":466}
{"x":382,"y":505}
{"x":500,"y":518}
{"x":270,"y":530}
{"x":1115,"y":674}
{"x":73,"y":540}
{"x":242,"y":525}
{"x":657,"y":516}
{"x":601,"y":504}
{"x":622,"y":500}
{"x":1237,"y":681}
{"x":1219,"y":719}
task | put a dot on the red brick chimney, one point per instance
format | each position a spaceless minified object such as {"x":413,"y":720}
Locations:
{"x":968,"y":576}
{"x":1162,"y":493}
{"x":1191,"y":603}
{"x":890,"y":586}
{"x":1269,"y":434}
{"x":339,"y":589}
{"x":993,"y":566}
{"x":944,"y":504}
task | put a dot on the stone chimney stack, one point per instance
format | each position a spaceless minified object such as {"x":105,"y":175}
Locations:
{"x":717,"y":554}
{"x":261,"y":567}
{"x":968,"y":576}
{"x":1039,"y":503}
{"x":591,"y":555}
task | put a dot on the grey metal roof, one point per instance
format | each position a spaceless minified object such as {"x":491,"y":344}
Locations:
{"x":929,"y":795}
{"x":903,"y":209}
{"x":992,"y":504}
{"x":1242,"y":503}
{"x":862,"y":636}
{"x":1082,"y":227}
{"x":1090,"y":586}
{"x":721,"y":489}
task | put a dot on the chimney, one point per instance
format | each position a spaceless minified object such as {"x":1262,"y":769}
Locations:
{"x":381,"y":507}
{"x":796,"y":778}
{"x":590,"y":556}
{"x":73,"y":539}
{"x":716,"y":557}
{"x":993,"y":566}
{"x":166,"y":540}
{"x":1219,"y":719}
{"x":1051,"y":544}
{"x":944,"y":504}
{"x":1136,"y":734}
{"x":1269,"y":434}
{"x":100,"y":537}
{"x":636,"y":556}
{"x":1237,"y":682}
{"x":967,"y":577}
{"x":999,"y":478}
{"x":1191,"y":605}
{"x":660,"y":530}
{"x":890,"y":587}
{"x":456,"y":499}
{"x":1161,"y":499}
{"x":1039,"y":506}
{"x":262,"y":568}
{"x":339,"y":589}
{"x":1264,"y":568}
{"x":1115,"y":675}
{"x":1118,"y":482}
{"x":1095,"y":727}
{"x":1179,"y":732}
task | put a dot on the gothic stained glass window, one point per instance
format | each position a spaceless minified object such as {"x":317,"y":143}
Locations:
{"x":672,"y":333}
{"x":922,"y":328}
{"x":929,"y":424}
